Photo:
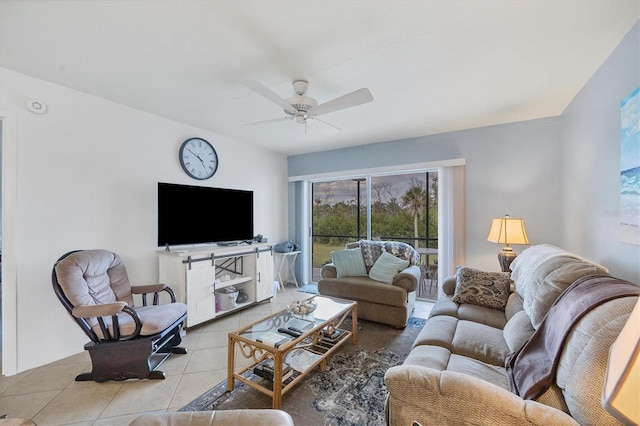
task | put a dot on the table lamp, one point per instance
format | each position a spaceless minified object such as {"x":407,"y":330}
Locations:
{"x":622,"y":381}
{"x":507,"y":230}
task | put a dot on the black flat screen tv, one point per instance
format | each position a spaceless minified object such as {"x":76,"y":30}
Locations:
{"x":203,"y":215}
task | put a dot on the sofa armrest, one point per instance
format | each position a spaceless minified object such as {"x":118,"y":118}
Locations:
{"x":449,"y":285}
{"x":328,"y":271}
{"x":408,"y":278}
{"x":429,"y":396}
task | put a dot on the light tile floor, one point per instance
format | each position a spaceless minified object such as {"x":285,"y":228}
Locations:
{"x":49,"y":395}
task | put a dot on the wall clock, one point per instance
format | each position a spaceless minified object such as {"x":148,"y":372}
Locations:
{"x":198,"y":158}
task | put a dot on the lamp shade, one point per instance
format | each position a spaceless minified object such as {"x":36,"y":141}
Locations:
{"x":622,"y":381}
{"x":508,"y":230}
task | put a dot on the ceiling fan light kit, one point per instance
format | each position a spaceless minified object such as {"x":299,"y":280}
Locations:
{"x":302,"y":107}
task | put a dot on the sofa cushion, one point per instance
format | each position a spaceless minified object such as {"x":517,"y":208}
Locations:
{"x":429,"y":356}
{"x":517,"y":331}
{"x":532,"y":257}
{"x":461,"y":338}
{"x":387,"y":267}
{"x":363,"y":289}
{"x":490,"y":289}
{"x":442,"y":359}
{"x":524,"y":265}
{"x":438,"y":331}
{"x":348,"y":263}
{"x":446,"y":306}
{"x":549,"y":280}
{"x":494,"y":374}
{"x":514,"y":305}
{"x":491,"y":348}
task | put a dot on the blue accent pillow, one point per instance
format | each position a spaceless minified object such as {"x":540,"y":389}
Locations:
{"x":349,"y":263}
{"x":387,"y":267}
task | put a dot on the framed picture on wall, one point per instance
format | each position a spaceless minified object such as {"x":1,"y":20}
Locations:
{"x":630,"y":168}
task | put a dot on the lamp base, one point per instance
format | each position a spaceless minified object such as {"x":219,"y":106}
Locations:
{"x":505,"y":257}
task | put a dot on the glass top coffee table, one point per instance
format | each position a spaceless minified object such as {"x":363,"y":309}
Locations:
{"x":283,"y":348}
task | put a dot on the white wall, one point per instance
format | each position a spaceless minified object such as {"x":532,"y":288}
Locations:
{"x":591,"y":153}
{"x":86,"y":177}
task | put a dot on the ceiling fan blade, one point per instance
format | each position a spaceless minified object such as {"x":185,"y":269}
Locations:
{"x":359,"y":97}
{"x":324,"y":122}
{"x":273,"y":120}
{"x":263,"y":90}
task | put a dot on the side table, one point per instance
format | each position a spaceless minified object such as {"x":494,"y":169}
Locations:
{"x":285,"y":263}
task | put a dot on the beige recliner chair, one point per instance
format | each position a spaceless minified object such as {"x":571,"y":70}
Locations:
{"x":127,"y":341}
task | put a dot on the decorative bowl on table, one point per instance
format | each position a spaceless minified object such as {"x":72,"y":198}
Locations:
{"x":302,"y":308}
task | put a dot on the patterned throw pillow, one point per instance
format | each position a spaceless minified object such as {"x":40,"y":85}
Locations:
{"x":371,"y":251}
{"x":387,"y":267}
{"x":476,"y":287}
{"x":348,"y":263}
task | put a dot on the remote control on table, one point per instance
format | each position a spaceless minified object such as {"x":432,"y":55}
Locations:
{"x":289,"y":332}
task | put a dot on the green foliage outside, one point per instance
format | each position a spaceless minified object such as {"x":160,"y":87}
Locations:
{"x":322,"y":253}
{"x":402,"y":218}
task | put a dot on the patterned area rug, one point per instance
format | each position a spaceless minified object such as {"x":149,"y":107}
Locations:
{"x":350,"y":391}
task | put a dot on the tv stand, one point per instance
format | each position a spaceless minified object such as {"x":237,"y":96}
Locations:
{"x":227,"y":243}
{"x":195,"y":274}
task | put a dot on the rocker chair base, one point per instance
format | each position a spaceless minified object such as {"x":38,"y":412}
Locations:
{"x":123,"y":360}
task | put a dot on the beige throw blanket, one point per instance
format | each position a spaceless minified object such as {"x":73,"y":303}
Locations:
{"x":532,"y":369}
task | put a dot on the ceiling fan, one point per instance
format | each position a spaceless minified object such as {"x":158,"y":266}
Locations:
{"x":302,"y":107}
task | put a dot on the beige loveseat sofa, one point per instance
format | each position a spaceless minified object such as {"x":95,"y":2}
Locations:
{"x":390,"y":301}
{"x":455,"y":373}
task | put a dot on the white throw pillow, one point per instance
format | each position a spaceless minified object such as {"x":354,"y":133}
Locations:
{"x":349,"y":263}
{"x":387,"y":267}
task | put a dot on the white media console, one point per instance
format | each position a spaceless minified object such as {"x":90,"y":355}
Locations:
{"x":195,"y":274}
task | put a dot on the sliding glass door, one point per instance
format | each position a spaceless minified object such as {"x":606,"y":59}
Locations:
{"x":398,"y":207}
{"x":339,"y":215}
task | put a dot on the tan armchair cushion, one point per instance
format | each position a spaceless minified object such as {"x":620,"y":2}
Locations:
{"x":154,"y":318}
{"x":94,"y":277}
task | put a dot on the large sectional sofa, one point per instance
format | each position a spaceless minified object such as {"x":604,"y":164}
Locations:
{"x":455,"y":373}
{"x":388,"y":298}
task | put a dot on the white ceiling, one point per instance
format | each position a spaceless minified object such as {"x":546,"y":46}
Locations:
{"x":432,"y":66}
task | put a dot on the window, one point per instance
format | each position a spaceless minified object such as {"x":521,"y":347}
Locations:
{"x":398,"y":207}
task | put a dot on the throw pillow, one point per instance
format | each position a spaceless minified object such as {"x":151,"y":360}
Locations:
{"x":349,"y":263}
{"x":371,"y":250}
{"x":387,"y":267}
{"x":476,"y":287}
